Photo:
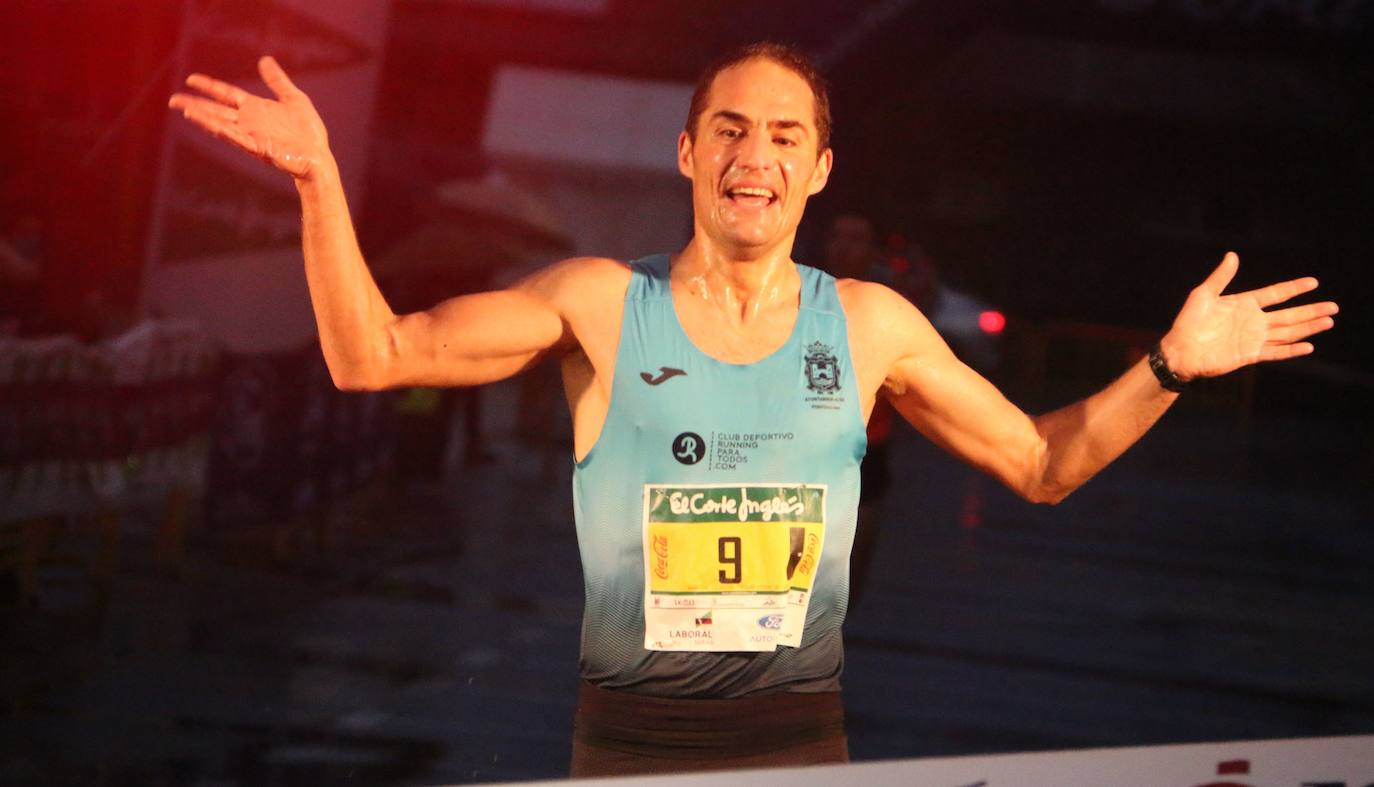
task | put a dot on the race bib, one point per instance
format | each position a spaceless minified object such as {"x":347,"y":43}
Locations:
{"x":729,"y":567}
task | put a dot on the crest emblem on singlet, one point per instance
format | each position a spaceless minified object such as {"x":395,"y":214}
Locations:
{"x":822,"y":369}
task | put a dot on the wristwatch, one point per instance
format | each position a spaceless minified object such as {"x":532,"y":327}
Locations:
{"x":1163,"y":373}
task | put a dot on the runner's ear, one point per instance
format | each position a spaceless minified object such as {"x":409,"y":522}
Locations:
{"x":684,"y":154}
{"x":821,"y":174}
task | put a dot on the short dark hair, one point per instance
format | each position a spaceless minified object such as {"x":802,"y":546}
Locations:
{"x":785,"y":55}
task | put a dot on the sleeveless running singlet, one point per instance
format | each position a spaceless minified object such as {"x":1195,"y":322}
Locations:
{"x":716,"y":511}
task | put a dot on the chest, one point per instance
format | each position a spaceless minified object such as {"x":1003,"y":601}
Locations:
{"x":798,"y":402}
{"x":735,"y":340}
{"x":714,"y":336}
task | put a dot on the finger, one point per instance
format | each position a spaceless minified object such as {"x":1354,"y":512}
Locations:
{"x":275,"y":77}
{"x":1282,"y":352}
{"x":1292,"y":333}
{"x":182,"y":102}
{"x":1284,"y":290}
{"x":1223,"y":274}
{"x":1296,"y":314}
{"x":222,"y":92}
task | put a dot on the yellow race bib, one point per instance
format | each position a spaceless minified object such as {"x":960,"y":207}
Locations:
{"x":729,"y":567}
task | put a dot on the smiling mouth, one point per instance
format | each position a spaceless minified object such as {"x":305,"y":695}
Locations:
{"x":751,"y":196}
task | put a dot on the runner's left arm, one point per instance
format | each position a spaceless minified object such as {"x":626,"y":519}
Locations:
{"x":1045,"y":457}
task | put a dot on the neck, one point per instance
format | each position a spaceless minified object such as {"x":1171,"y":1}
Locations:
{"x":741,"y":286}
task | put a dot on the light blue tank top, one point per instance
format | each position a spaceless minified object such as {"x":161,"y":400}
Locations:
{"x":679,"y":416}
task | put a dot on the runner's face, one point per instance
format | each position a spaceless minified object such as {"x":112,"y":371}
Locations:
{"x":754,"y":163}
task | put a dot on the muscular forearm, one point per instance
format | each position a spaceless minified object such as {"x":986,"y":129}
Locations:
{"x":465,"y":341}
{"x":349,"y":308}
{"x":1086,"y":436}
{"x":1046,"y":457}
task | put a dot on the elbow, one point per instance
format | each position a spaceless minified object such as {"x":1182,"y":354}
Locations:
{"x":1041,"y":483}
{"x":355,"y":379}
{"x":1049,"y":488}
{"x":353,"y":384}
{"x":1047,"y":494}
{"x":365,"y":368}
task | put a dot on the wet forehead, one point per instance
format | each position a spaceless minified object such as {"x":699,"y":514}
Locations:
{"x":763,"y":91}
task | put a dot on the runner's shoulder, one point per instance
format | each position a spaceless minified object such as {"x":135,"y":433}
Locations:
{"x":591,"y":272}
{"x":879,"y":316}
{"x":868,"y":301}
{"x":581,"y":280}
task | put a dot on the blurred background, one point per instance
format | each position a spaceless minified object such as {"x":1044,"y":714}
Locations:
{"x":217,"y":569}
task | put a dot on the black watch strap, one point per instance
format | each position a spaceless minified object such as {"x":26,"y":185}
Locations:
{"x":1162,"y":372}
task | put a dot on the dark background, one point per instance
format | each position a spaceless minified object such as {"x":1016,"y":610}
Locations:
{"x":1072,"y":162}
{"x":1047,"y":153}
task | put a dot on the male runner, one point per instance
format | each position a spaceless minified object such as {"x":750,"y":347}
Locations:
{"x":718,"y":397}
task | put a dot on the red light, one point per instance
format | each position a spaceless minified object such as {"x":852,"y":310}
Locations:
{"x":992,"y":321}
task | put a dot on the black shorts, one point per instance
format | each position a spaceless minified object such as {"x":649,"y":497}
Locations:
{"x":619,"y":733}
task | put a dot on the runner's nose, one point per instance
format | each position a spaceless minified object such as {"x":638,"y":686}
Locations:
{"x":756,"y":151}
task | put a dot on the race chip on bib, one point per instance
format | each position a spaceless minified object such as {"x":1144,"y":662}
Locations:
{"x":729,"y":567}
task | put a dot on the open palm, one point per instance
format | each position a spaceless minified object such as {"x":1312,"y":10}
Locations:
{"x":1215,"y":334}
{"x":286,"y":132}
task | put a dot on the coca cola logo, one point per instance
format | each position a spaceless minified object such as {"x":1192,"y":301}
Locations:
{"x":660,"y":550}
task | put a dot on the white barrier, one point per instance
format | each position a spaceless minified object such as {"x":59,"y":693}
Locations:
{"x":1303,"y":762}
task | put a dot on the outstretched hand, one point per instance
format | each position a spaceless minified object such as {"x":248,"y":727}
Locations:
{"x":286,"y":133}
{"x":1215,"y":334}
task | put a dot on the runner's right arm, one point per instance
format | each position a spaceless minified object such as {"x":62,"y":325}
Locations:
{"x":468,"y":340}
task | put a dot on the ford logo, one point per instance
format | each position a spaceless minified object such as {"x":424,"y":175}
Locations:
{"x":773,"y":621}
